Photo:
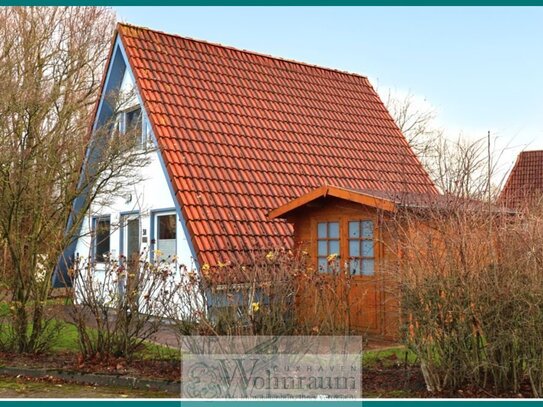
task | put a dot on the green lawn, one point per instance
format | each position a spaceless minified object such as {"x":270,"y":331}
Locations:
{"x":67,"y":340}
{"x":388,"y":357}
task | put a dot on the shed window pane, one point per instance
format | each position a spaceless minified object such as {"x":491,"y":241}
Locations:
{"x":321,"y":231}
{"x":361,"y":247}
{"x":355,"y":267}
{"x":334,"y":247}
{"x":367,"y":248}
{"x":327,"y":244}
{"x":367,"y":229}
{"x":323,"y":264}
{"x":333,"y":230}
{"x":354,"y":248}
{"x":354,"y":229}
{"x":323,"y":248}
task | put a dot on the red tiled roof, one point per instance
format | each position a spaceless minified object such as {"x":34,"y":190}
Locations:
{"x":525,"y":182}
{"x":243,"y":133}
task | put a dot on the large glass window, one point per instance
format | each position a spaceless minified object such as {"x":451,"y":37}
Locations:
{"x":327,"y":245}
{"x":361,"y":248}
{"x":166,"y":242}
{"x":131,"y":122}
{"x":102,"y":232}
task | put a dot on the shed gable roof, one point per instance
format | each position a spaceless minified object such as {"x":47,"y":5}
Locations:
{"x":243,"y":133}
{"x":360,"y":197}
{"x":525,"y":182}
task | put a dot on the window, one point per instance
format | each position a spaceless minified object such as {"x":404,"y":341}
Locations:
{"x":166,"y":235}
{"x":130,"y":235}
{"x":132,"y":121}
{"x":361,"y":248}
{"x":327,"y":244}
{"x":146,"y":132}
{"x":102,"y":231}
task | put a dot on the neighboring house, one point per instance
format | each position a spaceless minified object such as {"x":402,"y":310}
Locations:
{"x":524,"y":186}
{"x":239,"y":134}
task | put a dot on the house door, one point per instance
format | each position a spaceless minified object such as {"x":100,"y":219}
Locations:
{"x":166,"y":236}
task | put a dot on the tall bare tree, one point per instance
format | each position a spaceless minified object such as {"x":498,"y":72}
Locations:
{"x":458,"y":166}
{"x":51,"y":63}
{"x":415,"y":122}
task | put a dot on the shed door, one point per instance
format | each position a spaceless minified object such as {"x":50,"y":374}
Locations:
{"x":363,"y":295}
{"x":351,"y":242}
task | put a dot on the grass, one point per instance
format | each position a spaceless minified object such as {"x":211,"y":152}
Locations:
{"x":156,"y":351}
{"x":67,"y":339}
{"x":389,"y":373}
{"x":388,"y":357}
{"x":20,"y":387}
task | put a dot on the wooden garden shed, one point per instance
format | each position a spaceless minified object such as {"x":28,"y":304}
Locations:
{"x":347,"y":228}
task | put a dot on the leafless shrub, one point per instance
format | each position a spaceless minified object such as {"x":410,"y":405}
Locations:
{"x":416,"y":123}
{"x":121,"y":304}
{"x":458,"y":165}
{"x":273,"y":293}
{"x":471,"y":287}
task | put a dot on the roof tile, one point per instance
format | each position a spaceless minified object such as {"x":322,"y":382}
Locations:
{"x":243,"y":133}
{"x":525,"y":182}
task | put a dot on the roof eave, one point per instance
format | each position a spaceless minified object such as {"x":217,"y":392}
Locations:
{"x":336,"y":192}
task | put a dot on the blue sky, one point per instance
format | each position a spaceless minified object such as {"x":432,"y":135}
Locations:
{"x":479,"y":68}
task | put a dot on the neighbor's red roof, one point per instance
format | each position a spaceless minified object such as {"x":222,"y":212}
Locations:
{"x":525,"y":182}
{"x":243,"y":133}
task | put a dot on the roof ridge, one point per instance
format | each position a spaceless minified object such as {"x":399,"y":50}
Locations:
{"x":260,"y":54}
